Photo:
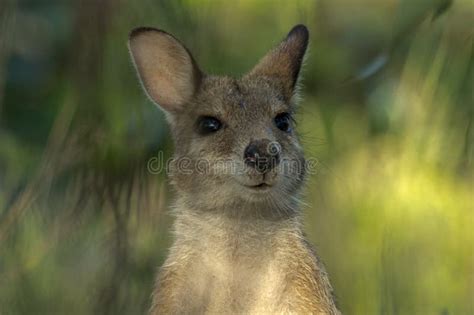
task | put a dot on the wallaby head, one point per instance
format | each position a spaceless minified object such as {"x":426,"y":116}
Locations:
{"x":236,"y":148}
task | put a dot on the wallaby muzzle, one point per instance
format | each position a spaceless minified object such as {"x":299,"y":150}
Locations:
{"x":263,"y":155}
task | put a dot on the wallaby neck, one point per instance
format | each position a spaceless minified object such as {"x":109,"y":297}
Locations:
{"x":239,"y":212}
{"x":196,"y":225}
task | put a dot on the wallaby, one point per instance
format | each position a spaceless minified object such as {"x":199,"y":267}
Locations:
{"x":239,"y":246}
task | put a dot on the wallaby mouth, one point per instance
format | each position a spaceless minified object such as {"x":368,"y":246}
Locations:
{"x":260,"y":182}
{"x":259,"y":187}
{"x":262,"y":185}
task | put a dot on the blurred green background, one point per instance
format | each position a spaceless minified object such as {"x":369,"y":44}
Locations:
{"x":387,"y":111}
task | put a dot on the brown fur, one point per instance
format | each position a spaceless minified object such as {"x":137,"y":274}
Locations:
{"x":236,"y":250}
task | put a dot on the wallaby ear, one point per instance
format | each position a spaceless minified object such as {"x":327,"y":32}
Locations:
{"x":165,"y":67}
{"x":283,"y":63}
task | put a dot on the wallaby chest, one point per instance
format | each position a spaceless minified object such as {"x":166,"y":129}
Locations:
{"x":235,"y":268}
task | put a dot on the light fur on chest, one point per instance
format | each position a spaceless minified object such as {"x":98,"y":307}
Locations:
{"x":221,"y":266}
{"x":236,"y":266}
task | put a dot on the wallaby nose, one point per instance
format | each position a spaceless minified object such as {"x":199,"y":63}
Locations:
{"x":263,"y":155}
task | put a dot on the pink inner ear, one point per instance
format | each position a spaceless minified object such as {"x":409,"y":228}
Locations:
{"x":165,"y":68}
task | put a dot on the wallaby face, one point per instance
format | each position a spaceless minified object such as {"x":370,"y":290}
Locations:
{"x":235,"y":142}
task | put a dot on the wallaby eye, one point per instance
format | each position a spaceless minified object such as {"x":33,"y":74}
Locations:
{"x":208,"y":124}
{"x":283,"y":122}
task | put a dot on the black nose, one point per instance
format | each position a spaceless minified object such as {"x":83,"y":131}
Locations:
{"x":263,"y":155}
